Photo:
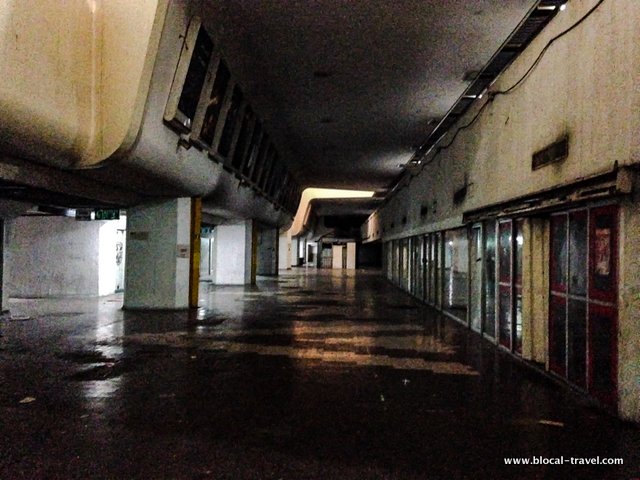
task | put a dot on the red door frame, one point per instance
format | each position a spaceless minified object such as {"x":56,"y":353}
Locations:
{"x":601,"y":298}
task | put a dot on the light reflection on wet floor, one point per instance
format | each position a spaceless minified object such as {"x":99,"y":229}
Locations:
{"x":391,"y":343}
{"x":308,"y":375}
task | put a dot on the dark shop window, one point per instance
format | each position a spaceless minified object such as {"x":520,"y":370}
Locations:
{"x":489,"y":327}
{"x":456,"y":272}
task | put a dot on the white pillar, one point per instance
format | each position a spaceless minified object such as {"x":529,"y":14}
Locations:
{"x":157,"y":255}
{"x":233,"y":252}
{"x":337,"y":257}
{"x":284,"y":252}
{"x":351,"y":255}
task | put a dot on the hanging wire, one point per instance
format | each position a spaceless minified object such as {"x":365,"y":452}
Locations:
{"x":492,"y":95}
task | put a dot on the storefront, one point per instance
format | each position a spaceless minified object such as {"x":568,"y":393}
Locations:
{"x":541,"y":282}
{"x":583,"y":292}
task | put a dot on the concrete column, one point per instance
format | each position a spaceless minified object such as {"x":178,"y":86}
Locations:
{"x":337,"y":257}
{"x":294,"y":251}
{"x":351,"y":255}
{"x":233,"y":254}
{"x":284,"y":252}
{"x":267,"y":251}
{"x":157,"y":256}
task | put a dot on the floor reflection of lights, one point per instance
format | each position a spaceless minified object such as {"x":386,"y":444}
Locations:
{"x":335,"y":343}
{"x":100,"y":390}
{"x":108,"y":342}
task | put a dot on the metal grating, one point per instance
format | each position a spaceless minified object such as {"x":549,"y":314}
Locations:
{"x":517,"y":42}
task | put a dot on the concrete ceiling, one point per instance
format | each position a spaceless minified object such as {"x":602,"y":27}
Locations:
{"x":349,"y":88}
{"x":327,"y":207}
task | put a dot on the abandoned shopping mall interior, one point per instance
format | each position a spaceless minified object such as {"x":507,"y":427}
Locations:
{"x":356,"y":239}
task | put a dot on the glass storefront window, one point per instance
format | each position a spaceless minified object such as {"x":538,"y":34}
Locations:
{"x":489,"y":327}
{"x":475,"y":281}
{"x":578,"y":253}
{"x":505,"y":250}
{"x":456,"y":272}
{"x":583,"y":299}
{"x":518,"y":233}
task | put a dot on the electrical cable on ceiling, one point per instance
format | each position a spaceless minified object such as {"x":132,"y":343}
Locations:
{"x":546,"y":47}
{"x":492,"y":95}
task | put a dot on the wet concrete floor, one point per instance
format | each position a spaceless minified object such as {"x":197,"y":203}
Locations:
{"x":309,"y":375}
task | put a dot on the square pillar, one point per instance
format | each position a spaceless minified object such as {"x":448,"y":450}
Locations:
{"x":284,"y":252}
{"x":267,"y":251}
{"x":337,"y":257}
{"x":234,"y":259}
{"x":351,"y":255}
{"x":157,"y":255}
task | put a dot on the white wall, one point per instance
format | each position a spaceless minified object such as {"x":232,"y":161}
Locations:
{"x":107,"y":266}
{"x":59,"y":256}
{"x":232,"y":254}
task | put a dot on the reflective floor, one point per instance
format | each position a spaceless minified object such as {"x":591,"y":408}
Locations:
{"x":314,"y":374}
